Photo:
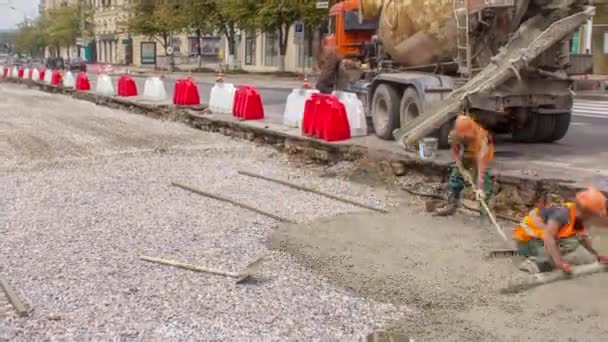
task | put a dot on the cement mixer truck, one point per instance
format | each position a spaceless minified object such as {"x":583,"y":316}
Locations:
{"x":503,"y":61}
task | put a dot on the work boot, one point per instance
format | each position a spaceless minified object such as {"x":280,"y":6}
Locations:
{"x":451,"y":207}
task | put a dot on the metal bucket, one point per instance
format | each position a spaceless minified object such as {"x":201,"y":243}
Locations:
{"x":427,"y":148}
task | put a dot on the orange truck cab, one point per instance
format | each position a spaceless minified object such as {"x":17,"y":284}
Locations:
{"x":346,"y":33}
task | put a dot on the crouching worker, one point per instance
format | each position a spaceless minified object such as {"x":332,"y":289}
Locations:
{"x":473,"y":151}
{"x":548,"y":236}
{"x":335,"y":72}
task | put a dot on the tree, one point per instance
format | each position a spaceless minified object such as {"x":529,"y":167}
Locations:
{"x":230,"y":16}
{"x":157,"y":19}
{"x":279,"y":15}
{"x":30,"y":38}
{"x":196,"y":14}
{"x":63,"y":26}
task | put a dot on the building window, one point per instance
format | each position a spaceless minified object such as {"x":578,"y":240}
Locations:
{"x":210,"y":46}
{"x":271,"y":49}
{"x":250,"y":47}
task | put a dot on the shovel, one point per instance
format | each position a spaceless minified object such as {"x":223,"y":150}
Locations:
{"x":244,"y":275}
{"x":467,"y":176}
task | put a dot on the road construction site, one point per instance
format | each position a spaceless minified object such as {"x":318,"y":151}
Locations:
{"x":87,"y":190}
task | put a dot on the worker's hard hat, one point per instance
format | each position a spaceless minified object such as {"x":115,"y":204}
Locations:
{"x":464,"y":126}
{"x":593,"y":200}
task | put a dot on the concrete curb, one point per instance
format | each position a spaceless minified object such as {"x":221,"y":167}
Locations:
{"x":530,"y":190}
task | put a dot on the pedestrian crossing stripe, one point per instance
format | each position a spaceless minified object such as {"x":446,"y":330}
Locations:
{"x":591,"y":109}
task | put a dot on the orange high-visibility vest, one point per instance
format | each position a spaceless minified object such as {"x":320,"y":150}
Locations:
{"x":533,"y":226}
{"x":471,"y":149}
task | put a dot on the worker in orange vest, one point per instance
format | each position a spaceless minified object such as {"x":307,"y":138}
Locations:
{"x":473,"y":150}
{"x":548,"y":234}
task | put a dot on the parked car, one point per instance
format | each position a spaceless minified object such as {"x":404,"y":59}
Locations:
{"x":54,"y":63}
{"x":76,"y":64}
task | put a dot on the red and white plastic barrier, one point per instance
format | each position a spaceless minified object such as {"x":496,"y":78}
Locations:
{"x":56,"y":78}
{"x":126,"y":86}
{"x":82,"y":82}
{"x":325,"y":118}
{"x":69,"y":81}
{"x":355,"y":113}
{"x":186,"y":93}
{"x":221,"y":98}
{"x":247,"y":104}
{"x":48,"y":76}
{"x":104,"y":86}
{"x":294,"y":107}
{"x":154,"y":89}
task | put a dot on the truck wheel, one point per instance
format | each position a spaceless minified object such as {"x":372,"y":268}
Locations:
{"x":385,"y":111}
{"x":410,"y":106}
{"x":443,"y":133}
{"x":545,"y":128}
{"x":527,"y":132}
{"x":562,"y":123}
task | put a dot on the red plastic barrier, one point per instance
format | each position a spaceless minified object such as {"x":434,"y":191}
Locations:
{"x":42,"y":74}
{"x":177,"y":91}
{"x":126,"y":86}
{"x":314,"y":108}
{"x":56,"y":78}
{"x":20,"y":72}
{"x":186,"y":93}
{"x":325,"y":118}
{"x":247,"y":104}
{"x":82,"y":82}
{"x":336,"y":125}
{"x":5,"y":72}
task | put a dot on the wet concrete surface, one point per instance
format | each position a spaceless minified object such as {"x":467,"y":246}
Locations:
{"x":439,"y":266}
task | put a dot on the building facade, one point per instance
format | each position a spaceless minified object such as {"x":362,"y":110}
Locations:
{"x":113,"y":44}
{"x":259,"y":51}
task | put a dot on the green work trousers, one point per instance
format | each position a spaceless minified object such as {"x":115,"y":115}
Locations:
{"x":534,"y":250}
{"x":456,"y":184}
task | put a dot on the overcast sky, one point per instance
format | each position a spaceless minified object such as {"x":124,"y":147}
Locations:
{"x":9,"y":18}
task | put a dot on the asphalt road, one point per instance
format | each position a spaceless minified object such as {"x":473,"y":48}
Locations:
{"x":580,"y":156}
{"x":273,"y":97}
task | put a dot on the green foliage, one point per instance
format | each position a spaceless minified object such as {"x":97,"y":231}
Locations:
{"x":157,"y":19}
{"x":63,"y":25}
{"x":30,"y":38}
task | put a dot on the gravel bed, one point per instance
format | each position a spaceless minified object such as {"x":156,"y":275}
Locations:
{"x":75,"y":228}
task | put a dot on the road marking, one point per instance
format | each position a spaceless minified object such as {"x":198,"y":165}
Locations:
{"x":590,"y":109}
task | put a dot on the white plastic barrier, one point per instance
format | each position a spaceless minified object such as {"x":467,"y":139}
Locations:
{"x":104,"y":86}
{"x":15,"y":72}
{"x":69,"y":81}
{"x":222,"y":98}
{"x":36,"y":74}
{"x":26,"y":74}
{"x":294,"y":108}
{"x":154,"y":89}
{"x":48,"y":76}
{"x":354,"y":111}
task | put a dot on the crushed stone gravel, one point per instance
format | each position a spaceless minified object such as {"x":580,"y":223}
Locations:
{"x":86,"y":191}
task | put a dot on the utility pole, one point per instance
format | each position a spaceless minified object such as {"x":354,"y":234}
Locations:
{"x":82,"y":29}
